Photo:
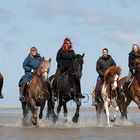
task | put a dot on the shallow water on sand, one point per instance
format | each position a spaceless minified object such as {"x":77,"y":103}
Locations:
{"x":86,"y":129}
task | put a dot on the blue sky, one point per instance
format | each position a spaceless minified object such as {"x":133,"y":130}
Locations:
{"x":91,"y":25}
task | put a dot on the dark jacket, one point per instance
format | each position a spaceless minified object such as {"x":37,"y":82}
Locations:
{"x":64,"y":59}
{"x":29,"y":64}
{"x":103,"y":64}
{"x":131,"y":61}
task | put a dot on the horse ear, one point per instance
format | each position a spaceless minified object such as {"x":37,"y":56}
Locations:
{"x":49,"y":59}
{"x":83,"y":54}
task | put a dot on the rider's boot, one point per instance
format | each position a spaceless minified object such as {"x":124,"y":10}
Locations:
{"x":125,"y":86}
{"x":95,"y":102}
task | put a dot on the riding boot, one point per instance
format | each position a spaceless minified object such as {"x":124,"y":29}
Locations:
{"x":21,"y":93}
{"x":125,"y":85}
{"x":1,"y":96}
{"x":95,"y":102}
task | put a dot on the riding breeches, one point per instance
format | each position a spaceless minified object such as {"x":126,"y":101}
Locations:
{"x":98,"y":85}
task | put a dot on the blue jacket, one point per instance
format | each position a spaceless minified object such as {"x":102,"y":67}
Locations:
{"x":29,"y":64}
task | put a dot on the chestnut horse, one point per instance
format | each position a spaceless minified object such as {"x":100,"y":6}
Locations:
{"x":109,"y":93}
{"x":133,"y":91}
{"x":37,"y":92}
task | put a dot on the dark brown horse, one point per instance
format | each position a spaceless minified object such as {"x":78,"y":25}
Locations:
{"x":133,"y":92}
{"x":1,"y":84}
{"x":108,"y":93}
{"x":37,"y":92}
{"x":68,"y":87}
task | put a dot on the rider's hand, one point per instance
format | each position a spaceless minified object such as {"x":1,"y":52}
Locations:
{"x":133,"y":71}
{"x":32,"y":70}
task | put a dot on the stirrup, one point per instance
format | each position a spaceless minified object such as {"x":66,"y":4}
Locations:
{"x":82,"y":96}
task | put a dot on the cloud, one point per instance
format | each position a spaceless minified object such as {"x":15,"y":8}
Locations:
{"x":123,"y":38}
{"x":7,"y":45}
{"x":5,"y":15}
{"x":69,"y":9}
{"x":127,"y":3}
{"x":14,"y":31}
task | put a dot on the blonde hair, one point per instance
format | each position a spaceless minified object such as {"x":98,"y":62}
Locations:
{"x":33,"y":49}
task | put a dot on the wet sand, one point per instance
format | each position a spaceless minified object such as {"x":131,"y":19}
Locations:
{"x":86,"y":129}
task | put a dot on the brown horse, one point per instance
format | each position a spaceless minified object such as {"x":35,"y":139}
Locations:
{"x":108,"y":93}
{"x":133,"y":92}
{"x":1,"y":83}
{"x":37,"y":92}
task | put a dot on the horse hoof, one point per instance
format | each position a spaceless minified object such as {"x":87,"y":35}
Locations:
{"x":112,"y":120}
{"x":55,"y":118}
{"x":34,"y":120}
{"x":75,"y":119}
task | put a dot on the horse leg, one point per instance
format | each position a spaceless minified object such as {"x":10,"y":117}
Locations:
{"x":41,"y":110}
{"x":59,"y":106}
{"x":23,"y":104}
{"x":33,"y":109}
{"x":65,"y":110}
{"x":99,"y":110}
{"x":50,"y":111}
{"x":115,"y":114}
{"x":107,"y":112}
{"x":76,"y":116}
{"x":124,"y":108}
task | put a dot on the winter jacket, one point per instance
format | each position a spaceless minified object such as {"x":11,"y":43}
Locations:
{"x":103,"y":64}
{"x":29,"y":64}
{"x":64,"y":59}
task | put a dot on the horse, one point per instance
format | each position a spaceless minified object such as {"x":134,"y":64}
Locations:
{"x":68,"y":88}
{"x":109,"y":93}
{"x":37,"y":92}
{"x":133,"y":91}
{"x":1,"y":83}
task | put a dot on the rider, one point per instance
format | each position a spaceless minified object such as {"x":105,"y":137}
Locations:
{"x":30,"y":64}
{"x":102,"y":64}
{"x":64,"y":58}
{"x":131,"y":64}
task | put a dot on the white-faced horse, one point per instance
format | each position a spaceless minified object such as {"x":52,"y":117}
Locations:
{"x":109,"y":93}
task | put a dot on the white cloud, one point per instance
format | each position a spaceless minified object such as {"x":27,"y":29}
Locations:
{"x":122,"y":37}
{"x":5,"y":15}
{"x":127,"y":3}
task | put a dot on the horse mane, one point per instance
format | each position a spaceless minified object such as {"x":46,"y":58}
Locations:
{"x":111,"y":71}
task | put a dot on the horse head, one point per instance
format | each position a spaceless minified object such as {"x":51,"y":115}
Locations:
{"x":44,"y":68}
{"x":78,"y":65}
{"x":112,"y":76}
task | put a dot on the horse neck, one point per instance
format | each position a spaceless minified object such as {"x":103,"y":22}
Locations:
{"x":37,"y":80}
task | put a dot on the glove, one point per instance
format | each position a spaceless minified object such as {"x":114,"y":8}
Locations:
{"x":32,"y":70}
{"x":133,"y":72}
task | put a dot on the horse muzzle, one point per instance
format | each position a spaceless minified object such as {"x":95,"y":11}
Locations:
{"x":45,"y":76}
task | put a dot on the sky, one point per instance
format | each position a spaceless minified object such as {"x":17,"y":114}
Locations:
{"x":91,"y":25}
